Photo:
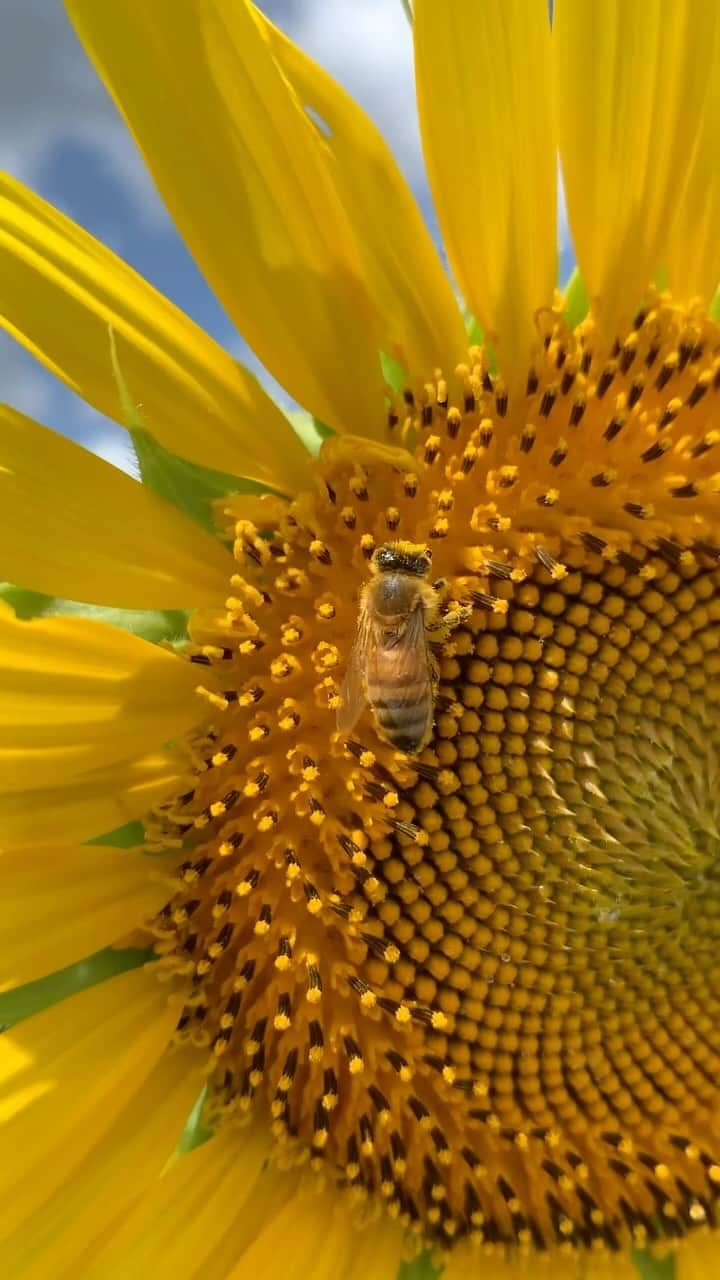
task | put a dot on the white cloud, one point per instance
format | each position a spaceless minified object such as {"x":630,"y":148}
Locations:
{"x":50,"y":94}
{"x":29,"y":388}
{"x":367,"y":47}
{"x":112,"y":443}
{"x":23,"y":384}
{"x":104,"y":437}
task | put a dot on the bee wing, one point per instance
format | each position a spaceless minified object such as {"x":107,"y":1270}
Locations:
{"x":354,"y":687}
{"x":406,"y":661}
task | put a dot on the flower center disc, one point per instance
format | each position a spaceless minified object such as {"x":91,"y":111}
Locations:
{"x":480,"y":983}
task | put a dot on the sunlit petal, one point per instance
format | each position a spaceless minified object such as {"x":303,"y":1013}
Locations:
{"x":242,"y":170}
{"x":61,"y":290}
{"x":91,"y":533}
{"x":60,"y":904}
{"x":632,"y":81}
{"x":77,"y":695}
{"x":420,"y":319}
{"x":66,"y":1074}
{"x":485,"y":102}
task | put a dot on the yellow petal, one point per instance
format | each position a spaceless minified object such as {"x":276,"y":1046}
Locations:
{"x":483,"y":76}
{"x":698,"y":1256}
{"x":93,"y":803}
{"x":631,"y":81}
{"x":66,"y":1074}
{"x":66,"y":1227}
{"x":195,"y":1214}
{"x":60,"y":291}
{"x":321,"y":1242}
{"x":468,"y":1262}
{"x":64,"y":903}
{"x":421,"y":321}
{"x":692,"y":256}
{"x":71,"y":525}
{"x":618,"y":1266}
{"x":242,"y":170}
{"x":375,"y":1253}
{"x":77,"y":695}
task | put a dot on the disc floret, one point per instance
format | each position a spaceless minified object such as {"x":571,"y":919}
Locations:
{"x":475,"y":985}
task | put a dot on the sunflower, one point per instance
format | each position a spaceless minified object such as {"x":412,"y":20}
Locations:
{"x":461,"y":999}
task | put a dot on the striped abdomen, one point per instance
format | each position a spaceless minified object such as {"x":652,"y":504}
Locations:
{"x":400,"y":692}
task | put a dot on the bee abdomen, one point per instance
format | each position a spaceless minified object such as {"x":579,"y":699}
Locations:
{"x":405,"y":721}
{"x":412,"y":700}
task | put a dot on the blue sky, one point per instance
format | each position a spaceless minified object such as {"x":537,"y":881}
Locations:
{"x":60,"y":134}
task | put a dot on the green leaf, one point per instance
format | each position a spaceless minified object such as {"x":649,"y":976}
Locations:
{"x":33,"y":997}
{"x":27,"y":604}
{"x":127,"y":837}
{"x":475,"y":334}
{"x":421,"y":1268}
{"x":324,"y":432}
{"x":311,"y":430}
{"x":407,"y":6}
{"x":195,"y":1132}
{"x":151,"y":624}
{"x":577,"y":302}
{"x":476,"y":338}
{"x":653,"y":1268}
{"x":185,"y":484}
{"x":393,"y":372}
{"x":130,"y":412}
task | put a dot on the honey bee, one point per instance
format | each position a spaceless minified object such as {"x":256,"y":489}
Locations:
{"x":391,"y":668}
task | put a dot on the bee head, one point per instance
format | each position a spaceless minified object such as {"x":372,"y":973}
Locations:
{"x":403,"y":557}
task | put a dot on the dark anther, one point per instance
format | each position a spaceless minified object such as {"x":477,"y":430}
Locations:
{"x":652,"y":355}
{"x":607,"y":377}
{"x":576,"y":413}
{"x":613,"y":428}
{"x":665,"y":374}
{"x":669,"y":415}
{"x":546,"y":404}
{"x":696,"y":394}
{"x":653,"y":452}
{"x":635,"y":392}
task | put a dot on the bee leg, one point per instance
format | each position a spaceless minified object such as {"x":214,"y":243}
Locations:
{"x":454,"y":617}
{"x":440,"y":627}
